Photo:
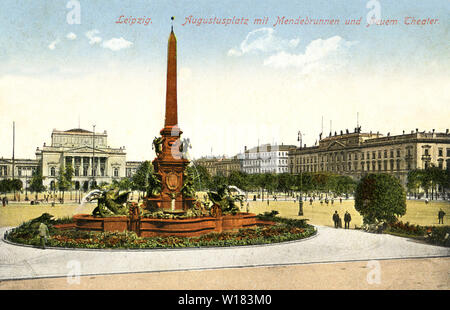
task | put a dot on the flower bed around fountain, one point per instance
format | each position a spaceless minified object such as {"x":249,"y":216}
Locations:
{"x":182,"y":227}
{"x":62,"y":234}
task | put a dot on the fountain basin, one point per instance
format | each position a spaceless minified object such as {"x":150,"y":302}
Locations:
{"x":152,"y":227}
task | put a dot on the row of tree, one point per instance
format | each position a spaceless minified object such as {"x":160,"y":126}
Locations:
{"x":287,"y":183}
{"x":432,"y":179}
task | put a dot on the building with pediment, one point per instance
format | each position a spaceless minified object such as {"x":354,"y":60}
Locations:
{"x":355,"y":154}
{"x":92,"y":159}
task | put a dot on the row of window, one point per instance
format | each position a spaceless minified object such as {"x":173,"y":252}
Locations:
{"x":85,"y":171}
{"x":365,"y":166}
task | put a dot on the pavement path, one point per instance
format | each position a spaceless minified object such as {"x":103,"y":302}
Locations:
{"x":329,"y":245}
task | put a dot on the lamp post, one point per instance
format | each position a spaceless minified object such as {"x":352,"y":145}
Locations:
{"x":26,"y":184}
{"x":300,"y":201}
{"x":93,"y":155}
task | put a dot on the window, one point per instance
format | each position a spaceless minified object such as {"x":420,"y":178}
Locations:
{"x":448,"y":152}
{"x":116,"y":172}
{"x":440,"y":152}
{"x":398,"y":153}
{"x":52,"y":171}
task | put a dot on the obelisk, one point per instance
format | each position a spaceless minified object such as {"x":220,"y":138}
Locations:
{"x":169,"y":163}
{"x":171,"y":83}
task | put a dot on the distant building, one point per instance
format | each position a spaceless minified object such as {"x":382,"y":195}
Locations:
{"x":355,"y":154}
{"x":219,"y":165}
{"x":266,"y":159}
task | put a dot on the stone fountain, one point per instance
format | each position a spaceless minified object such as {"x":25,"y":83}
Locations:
{"x":170,"y":189}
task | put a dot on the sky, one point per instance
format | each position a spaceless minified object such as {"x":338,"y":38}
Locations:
{"x":71,"y":63}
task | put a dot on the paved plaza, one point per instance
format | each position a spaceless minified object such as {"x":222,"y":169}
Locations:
{"x":328,"y":246}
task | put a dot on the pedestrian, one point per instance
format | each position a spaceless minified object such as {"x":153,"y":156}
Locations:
{"x":332,"y":200}
{"x":336,"y":219}
{"x":4,"y":201}
{"x":267,"y":201}
{"x":310,"y":201}
{"x":340,"y":199}
{"x":347,"y":219}
{"x":43,"y":234}
{"x":248,"y":207}
{"x":441,"y":215}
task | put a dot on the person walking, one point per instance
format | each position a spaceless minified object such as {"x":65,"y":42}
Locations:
{"x":336,"y":219}
{"x":43,"y":234}
{"x":441,"y":215}
{"x":347,"y":219}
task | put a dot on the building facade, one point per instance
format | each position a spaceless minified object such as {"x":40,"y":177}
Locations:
{"x":355,"y":154}
{"x":266,"y":159}
{"x":219,"y":165}
{"x":92,"y":160}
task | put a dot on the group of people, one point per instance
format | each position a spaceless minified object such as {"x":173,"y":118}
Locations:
{"x":338,"y":221}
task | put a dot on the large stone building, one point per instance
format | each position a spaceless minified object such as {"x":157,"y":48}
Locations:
{"x":355,"y":154}
{"x":266,"y":159}
{"x":219,"y":165}
{"x":92,"y":159}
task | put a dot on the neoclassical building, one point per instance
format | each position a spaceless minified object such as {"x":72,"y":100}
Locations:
{"x":357,"y":153}
{"x":92,"y":159}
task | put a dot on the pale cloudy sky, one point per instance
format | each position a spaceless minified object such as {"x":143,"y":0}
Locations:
{"x":238,"y":84}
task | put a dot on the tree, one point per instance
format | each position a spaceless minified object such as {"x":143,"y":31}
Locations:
{"x":238,"y":179}
{"x":414,"y":181}
{"x":380,"y":197}
{"x":65,"y":178}
{"x":140,"y":178}
{"x":5,"y":186}
{"x":202,"y":178}
{"x":16,"y":185}
{"x":125,"y":184}
{"x":344,"y":185}
{"x":36,"y":183}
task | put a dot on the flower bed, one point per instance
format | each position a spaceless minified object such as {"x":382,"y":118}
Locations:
{"x":283,"y":230}
{"x":438,"y":235}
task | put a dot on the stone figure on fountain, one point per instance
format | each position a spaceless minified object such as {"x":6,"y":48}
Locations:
{"x":109,"y":202}
{"x":157,"y":145}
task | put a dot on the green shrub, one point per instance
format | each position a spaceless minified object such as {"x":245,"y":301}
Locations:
{"x":380,"y":198}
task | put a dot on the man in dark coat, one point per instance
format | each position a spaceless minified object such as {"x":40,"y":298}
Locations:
{"x":336,"y":219}
{"x":347,"y":219}
{"x":441,"y":215}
